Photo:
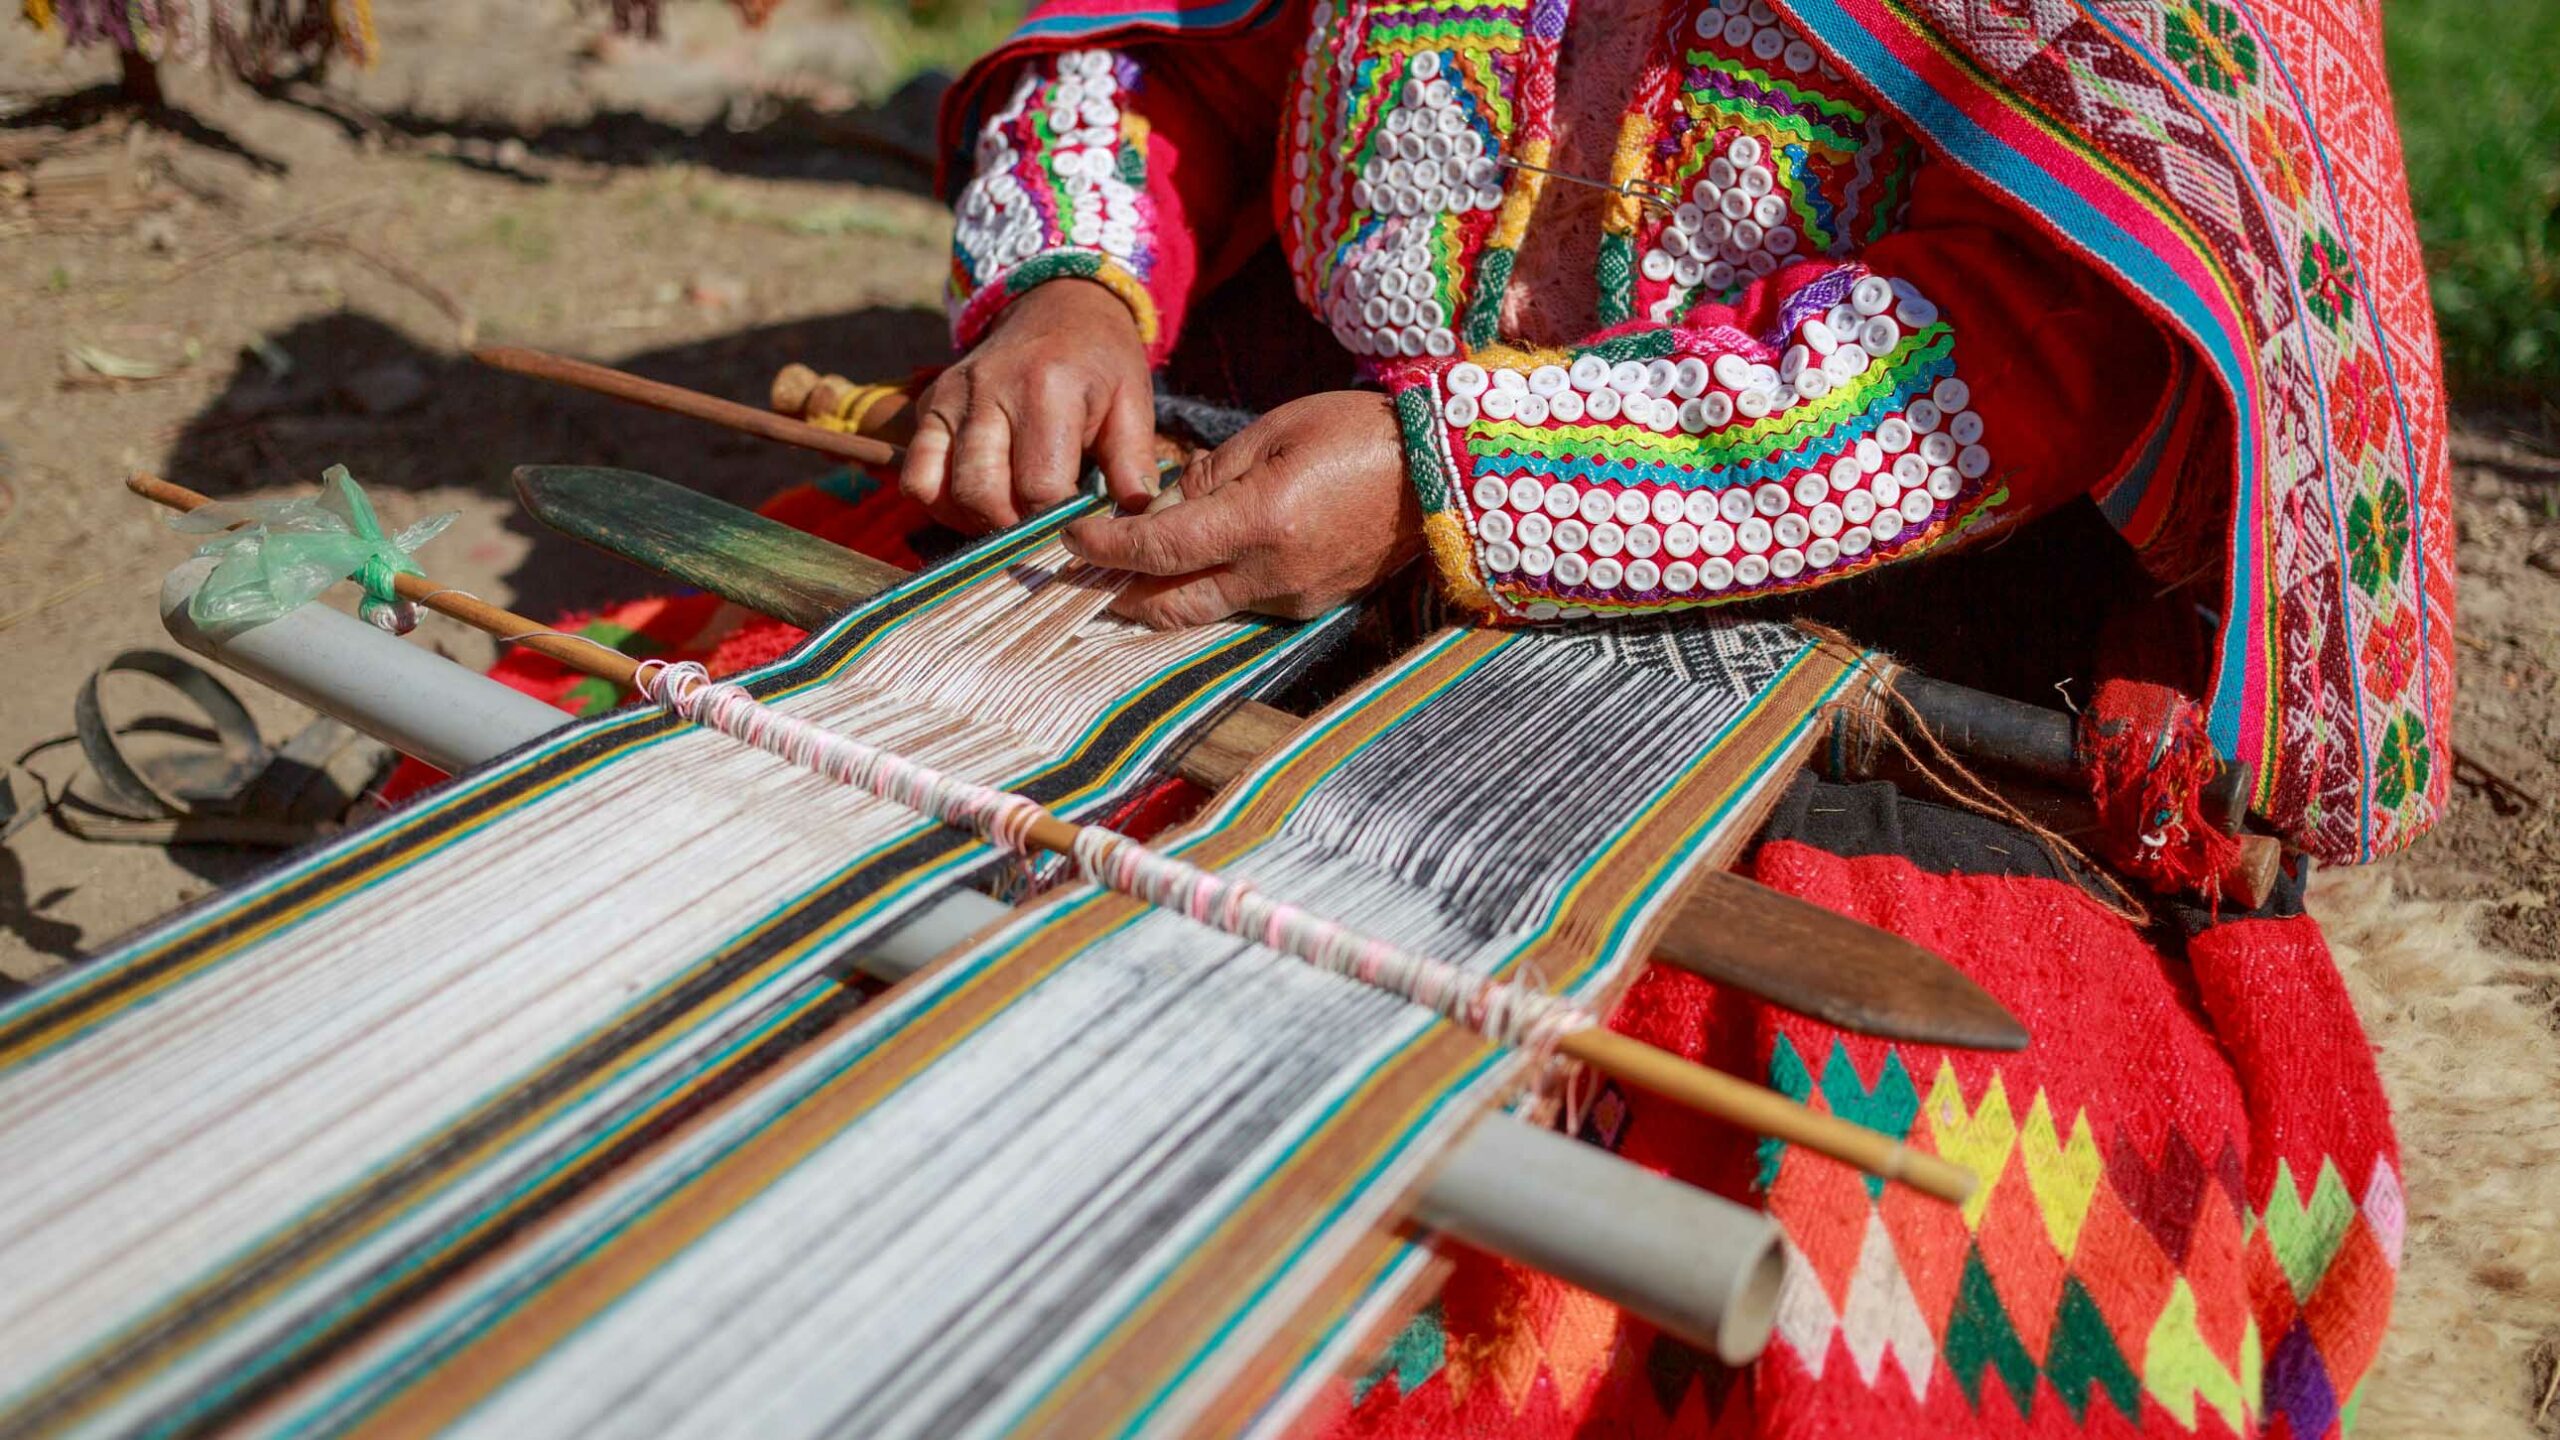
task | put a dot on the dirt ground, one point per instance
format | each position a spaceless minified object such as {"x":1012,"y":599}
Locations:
{"x":286,"y":283}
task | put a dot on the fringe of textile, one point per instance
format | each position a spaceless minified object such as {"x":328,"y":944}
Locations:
{"x":2150,"y":760}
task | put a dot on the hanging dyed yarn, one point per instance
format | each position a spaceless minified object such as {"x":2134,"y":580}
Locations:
{"x":255,"y":38}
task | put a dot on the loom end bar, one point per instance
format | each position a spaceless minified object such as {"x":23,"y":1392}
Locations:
{"x":1793,"y":953}
{"x":1766,"y":1112}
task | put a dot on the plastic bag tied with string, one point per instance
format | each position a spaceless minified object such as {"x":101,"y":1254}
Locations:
{"x":285,"y":552}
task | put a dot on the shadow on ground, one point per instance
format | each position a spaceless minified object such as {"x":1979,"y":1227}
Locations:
{"x":453,"y":423}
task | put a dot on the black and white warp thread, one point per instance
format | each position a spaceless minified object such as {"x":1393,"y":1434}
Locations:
{"x":952,"y":1257}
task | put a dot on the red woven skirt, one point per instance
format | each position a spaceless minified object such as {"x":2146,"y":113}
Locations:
{"x":2190,"y":1223}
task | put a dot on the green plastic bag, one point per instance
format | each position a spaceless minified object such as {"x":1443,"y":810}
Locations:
{"x":288,"y":551}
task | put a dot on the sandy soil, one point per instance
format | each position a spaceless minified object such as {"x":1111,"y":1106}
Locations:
{"x":297,"y":275}
{"x":303,"y":273}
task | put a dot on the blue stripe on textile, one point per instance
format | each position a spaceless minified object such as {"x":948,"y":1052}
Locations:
{"x":2241,"y":513}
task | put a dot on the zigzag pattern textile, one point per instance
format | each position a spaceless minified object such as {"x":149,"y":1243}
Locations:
{"x":1111,"y":1172}
{"x":247,"y":1136}
{"x":2190,"y":1222}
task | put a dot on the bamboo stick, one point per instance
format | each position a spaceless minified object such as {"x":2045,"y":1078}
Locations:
{"x":1633,"y":1062}
{"x":676,"y":400}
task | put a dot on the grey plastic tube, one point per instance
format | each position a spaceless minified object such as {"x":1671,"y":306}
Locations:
{"x":1699,"y":1266}
{"x":407,"y":696}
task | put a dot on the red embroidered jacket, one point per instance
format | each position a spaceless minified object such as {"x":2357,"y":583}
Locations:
{"x":1816,"y":352}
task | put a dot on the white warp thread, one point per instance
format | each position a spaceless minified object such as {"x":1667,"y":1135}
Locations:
{"x":1508,"y":1013}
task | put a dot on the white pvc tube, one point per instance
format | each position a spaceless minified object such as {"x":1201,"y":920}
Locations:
{"x":406,"y":696}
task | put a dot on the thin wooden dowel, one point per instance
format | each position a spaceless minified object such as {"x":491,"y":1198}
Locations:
{"x":1710,"y":1092}
{"x":676,"y":400}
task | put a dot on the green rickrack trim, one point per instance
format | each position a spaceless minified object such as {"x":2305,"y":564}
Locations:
{"x":1617,"y":269}
{"x":1476,"y":68}
{"x":1643,"y":345}
{"x":1493,"y":275}
{"x":1056,"y":265}
{"x":1841,"y":107}
{"x":1369,"y":100}
{"x":1419,"y":424}
{"x":1894,"y":174}
{"x":1800,"y":195}
{"x":1750,"y":444}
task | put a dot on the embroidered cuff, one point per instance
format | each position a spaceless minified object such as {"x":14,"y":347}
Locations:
{"x":1655,"y":471}
{"x":1060,"y":192}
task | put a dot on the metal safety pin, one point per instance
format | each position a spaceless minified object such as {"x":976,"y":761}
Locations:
{"x":1658,"y":198}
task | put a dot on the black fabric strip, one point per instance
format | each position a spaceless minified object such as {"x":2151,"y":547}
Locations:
{"x":1876,"y":818}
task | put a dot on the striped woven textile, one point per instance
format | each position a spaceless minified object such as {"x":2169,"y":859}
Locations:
{"x":249,"y":1134}
{"x":1110,"y":1171}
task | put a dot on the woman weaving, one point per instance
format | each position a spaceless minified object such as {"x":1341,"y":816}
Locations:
{"x":1638,"y":306}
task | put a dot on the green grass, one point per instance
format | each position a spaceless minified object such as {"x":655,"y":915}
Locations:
{"x":944,"y":35}
{"x":2477,"y":84}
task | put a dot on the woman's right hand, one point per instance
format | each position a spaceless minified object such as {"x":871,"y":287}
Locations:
{"x":1003,"y":434}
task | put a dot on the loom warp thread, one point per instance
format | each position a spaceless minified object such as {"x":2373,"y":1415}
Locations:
{"x":1508,"y":1013}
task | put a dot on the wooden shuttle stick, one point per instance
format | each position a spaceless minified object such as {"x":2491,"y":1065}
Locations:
{"x":676,"y":400}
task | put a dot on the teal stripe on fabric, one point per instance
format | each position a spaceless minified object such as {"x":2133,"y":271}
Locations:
{"x":1116,"y":749}
{"x":1628,"y":689}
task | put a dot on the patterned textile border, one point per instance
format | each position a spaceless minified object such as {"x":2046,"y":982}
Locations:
{"x":2175,"y":143}
{"x":1240,"y":1313}
{"x":573,"y":1115}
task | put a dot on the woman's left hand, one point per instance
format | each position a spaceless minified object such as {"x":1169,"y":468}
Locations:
{"x":1304,"y":509}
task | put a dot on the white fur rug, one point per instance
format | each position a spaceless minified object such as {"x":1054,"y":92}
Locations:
{"x":2472,"y":1063}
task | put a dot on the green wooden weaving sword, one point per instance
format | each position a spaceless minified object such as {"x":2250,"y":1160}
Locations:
{"x":1727,"y":928}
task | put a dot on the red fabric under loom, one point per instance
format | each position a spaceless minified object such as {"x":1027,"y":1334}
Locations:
{"x":2191,"y":1183}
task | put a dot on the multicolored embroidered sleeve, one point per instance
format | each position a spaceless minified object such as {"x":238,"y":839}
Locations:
{"x":1663,"y":466}
{"x":1062,"y":189}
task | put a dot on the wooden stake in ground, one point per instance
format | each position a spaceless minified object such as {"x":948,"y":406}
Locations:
{"x":1632,"y":1062}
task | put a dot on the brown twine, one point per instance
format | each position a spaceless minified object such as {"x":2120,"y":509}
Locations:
{"x":1877,"y":714}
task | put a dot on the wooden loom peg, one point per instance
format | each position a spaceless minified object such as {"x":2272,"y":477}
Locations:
{"x":1726,"y":928}
{"x":1630,"y":1061}
{"x":879,"y":412}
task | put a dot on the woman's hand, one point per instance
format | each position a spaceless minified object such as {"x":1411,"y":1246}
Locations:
{"x":1001,"y":435}
{"x":1305,"y":508}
